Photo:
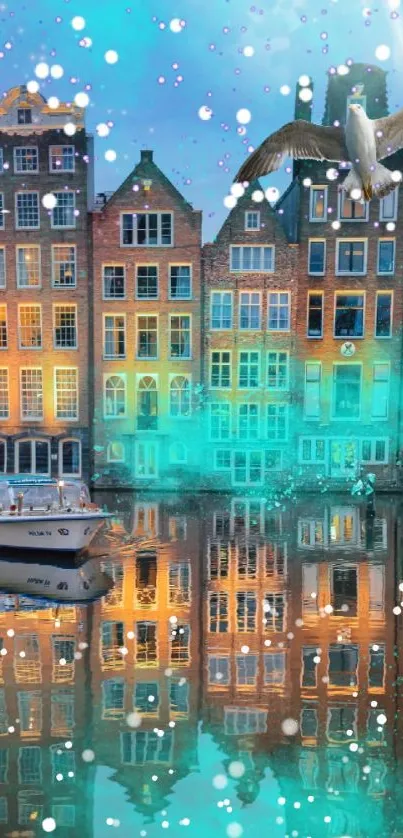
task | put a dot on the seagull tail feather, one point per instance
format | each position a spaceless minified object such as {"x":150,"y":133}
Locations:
{"x":382,"y":182}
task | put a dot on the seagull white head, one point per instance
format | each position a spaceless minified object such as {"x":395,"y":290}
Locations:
{"x":355,"y":108}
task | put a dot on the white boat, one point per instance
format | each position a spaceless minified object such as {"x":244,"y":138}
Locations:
{"x":45,"y":514}
{"x":50,"y":582}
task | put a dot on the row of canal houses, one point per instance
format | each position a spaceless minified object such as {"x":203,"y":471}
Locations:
{"x":132,"y":354}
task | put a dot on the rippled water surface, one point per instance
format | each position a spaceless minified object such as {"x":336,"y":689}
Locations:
{"x":240,"y":675}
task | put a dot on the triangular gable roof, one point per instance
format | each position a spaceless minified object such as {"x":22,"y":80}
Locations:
{"x":147,"y":169}
{"x":245,"y":199}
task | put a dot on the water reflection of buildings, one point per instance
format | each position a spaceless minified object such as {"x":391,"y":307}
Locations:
{"x":231,"y":614}
{"x":43,"y":717}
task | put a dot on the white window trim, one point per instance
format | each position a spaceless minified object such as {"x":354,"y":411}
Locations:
{"x":307,"y":417}
{"x":255,"y":270}
{"x":378,"y":293}
{"x":3,"y":250}
{"x":27,"y":192}
{"x":4,"y":348}
{"x":181,"y":314}
{"x":147,"y":314}
{"x":248,"y":438}
{"x":60,"y":457}
{"x":147,"y":212}
{"x":218,"y":593}
{"x":136,"y":467}
{"x":107,"y":375}
{"x":308,"y":296}
{"x":66,"y":419}
{"x":247,"y":453}
{"x":386,"y":239}
{"x":3,"y":441}
{"x":64,"y":226}
{"x":180,"y":265}
{"x":112,"y":265}
{"x":351,"y":239}
{"x":24,"y":246}
{"x":63,"y":348}
{"x":250,"y":291}
{"x":252,"y":229}
{"x":313,"y":440}
{"x":221,"y":291}
{"x":220,"y":468}
{"x":249,"y":352}
{"x":284,"y":439}
{"x":373,"y":442}
{"x":381,"y":418}
{"x":29,"y":171}
{"x":31,"y":418}
{"x":30,"y":439}
{"x":316,"y":241}
{"x":113,"y":314}
{"x":213,"y":439}
{"x":2,"y":213}
{"x":341,"y":196}
{"x":334,"y":417}
{"x":146,"y":265}
{"x":314,"y":188}
{"x":6,"y":418}
{"x":396,"y":203}
{"x":171,"y":377}
{"x":30,"y":348}
{"x":62,"y":171}
{"x":63,"y":287}
{"x":108,"y":456}
{"x":279,"y":453}
{"x":219,"y":387}
{"x":355,"y":292}
{"x":279,"y":291}
{"x":287,"y":383}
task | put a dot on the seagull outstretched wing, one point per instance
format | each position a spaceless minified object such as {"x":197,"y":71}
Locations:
{"x":391,"y":129}
{"x":298,"y":139}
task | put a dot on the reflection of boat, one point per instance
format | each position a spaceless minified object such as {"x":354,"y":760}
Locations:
{"x":61,"y":584}
{"x":44,"y":514}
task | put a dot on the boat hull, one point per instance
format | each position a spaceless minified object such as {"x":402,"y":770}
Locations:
{"x":70,"y":533}
{"x":70,"y":585}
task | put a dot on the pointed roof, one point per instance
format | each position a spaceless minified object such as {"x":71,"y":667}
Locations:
{"x":363,"y":79}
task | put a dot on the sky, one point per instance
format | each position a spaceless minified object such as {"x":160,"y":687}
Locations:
{"x":176,"y":57}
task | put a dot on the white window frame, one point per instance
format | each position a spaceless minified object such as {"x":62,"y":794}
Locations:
{"x":66,"y":418}
{"x":359,"y":292}
{"x":147,"y":442}
{"x":74,"y":284}
{"x":106,"y":376}
{"x":113,"y":314}
{"x":212,"y":438}
{"x":2,"y":214}
{"x":278,"y":291}
{"x":23,"y":226}
{"x":110,"y":459}
{"x":278,"y":352}
{"x":333,"y":413}
{"x":60,"y":457}
{"x":225,"y":469}
{"x":4,"y":307}
{"x":146,"y":358}
{"x":324,"y":243}
{"x":316,"y":187}
{"x":220,"y":386}
{"x":64,"y":226}
{"x":180,"y":265}
{"x":249,"y":352}
{"x":221,"y":291}
{"x":380,"y":240}
{"x":392,"y":295}
{"x":31,"y":418}
{"x":37,"y":248}
{"x":247,"y":214}
{"x":393,"y":216}
{"x":65,"y":305}
{"x":249,"y":437}
{"x":25,"y":171}
{"x":260,"y":270}
{"x":36,"y":306}
{"x":373,"y":441}
{"x":247,"y":454}
{"x":159,"y":213}
{"x":287,"y":421}
{"x":343,"y":197}
{"x":351,"y":239}
{"x":138,"y":265}
{"x":6,"y":370}
{"x":56,"y":171}
{"x":312,"y":440}
{"x":249,"y":328}
{"x":171,"y":377}
{"x":313,"y":417}
{"x":181,"y":357}
{"x":113,"y":265}
{"x":32,"y":440}
{"x":385,"y":417}
{"x":310,"y":294}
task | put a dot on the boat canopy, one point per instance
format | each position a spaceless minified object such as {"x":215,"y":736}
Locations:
{"x":38,"y":490}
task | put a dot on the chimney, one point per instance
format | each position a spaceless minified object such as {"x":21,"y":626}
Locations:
{"x":146,"y":156}
{"x":302,"y":108}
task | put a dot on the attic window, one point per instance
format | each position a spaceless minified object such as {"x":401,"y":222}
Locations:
{"x":252,"y":220}
{"x":24,"y":116}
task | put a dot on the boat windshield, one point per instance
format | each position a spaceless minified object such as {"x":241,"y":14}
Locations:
{"x":5,"y":496}
{"x":73,"y":493}
{"x":38,"y":496}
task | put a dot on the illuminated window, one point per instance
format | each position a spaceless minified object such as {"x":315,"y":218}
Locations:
{"x":351,"y":256}
{"x":66,"y":393}
{"x":246,"y":607}
{"x":29,"y":327}
{"x":32,"y":456}
{"x":28,"y":266}
{"x":65,"y":326}
{"x":180,"y":336}
{"x":383,"y":321}
{"x":114,"y":336}
{"x":218,"y":612}
{"x":147,"y":336}
{"x":318,"y":203}
{"x":3,"y":327}
{"x":64,"y":265}
{"x":31,"y":384}
{"x":61,"y":158}
{"x":115,"y":396}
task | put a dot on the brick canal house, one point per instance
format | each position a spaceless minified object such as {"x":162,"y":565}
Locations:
{"x":146,"y":269}
{"x":44,"y":302}
{"x":348,"y":339}
{"x":250,"y":324}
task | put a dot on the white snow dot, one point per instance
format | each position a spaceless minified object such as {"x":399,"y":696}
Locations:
{"x":306,"y":94}
{"x":69,"y":129}
{"x":32,"y":86}
{"x":205,"y":113}
{"x":88,"y":755}
{"x":111,"y":56}
{"x":53,"y":102}
{"x":230,"y":201}
{"x":82,"y":100}
{"x":307,"y":181}
{"x":356,"y":194}
{"x":56,"y":71}
{"x":78,"y":23}
{"x":220,"y":781}
{"x":332,"y":174}
{"x":133,"y":719}
{"x":343,"y":70}
{"x":244,"y":650}
{"x":396,"y":176}
{"x":110,"y":155}
{"x":238,"y":190}
{"x":272,"y":194}
{"x":304,"y":81}
{"x":236,"y":769}
{"x":397,"y":610}
{"x":49,"y":825}
{"x":289,"y":727}
{"x":336,"y":225}
{"x":243,"y":116}
{"x":285,"y":89}
{"x":49,"y":201}
{"x":175,"y":25}
{"x":102,"y":130}
{"x":42,"y":70}
{"x":234,"y":830}
{"x":258,"y":196}
{"x":248,"y":51}
{"x":382,"y":53}
{"x":381,"y":719}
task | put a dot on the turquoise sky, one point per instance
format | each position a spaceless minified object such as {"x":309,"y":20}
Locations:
{"x":288,"y":37}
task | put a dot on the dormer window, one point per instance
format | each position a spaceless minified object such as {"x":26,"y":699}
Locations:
{"x":24,"y":116}
{"x":252,"y":220}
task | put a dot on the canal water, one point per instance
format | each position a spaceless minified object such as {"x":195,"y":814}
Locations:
{"x":241,"y":675}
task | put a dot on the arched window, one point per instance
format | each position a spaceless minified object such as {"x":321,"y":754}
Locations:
{"x":32,"y":456}
{"x":178,"y":453}
{"x":147,"y":404}
{"x":115,"y":396}
{"x":115,"y":452}
{"x":70,"y":457}
{"x":179,"y":390}
{"x":3,"y":455}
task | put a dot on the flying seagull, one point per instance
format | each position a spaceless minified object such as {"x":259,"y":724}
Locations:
{"x":363,"y":142}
